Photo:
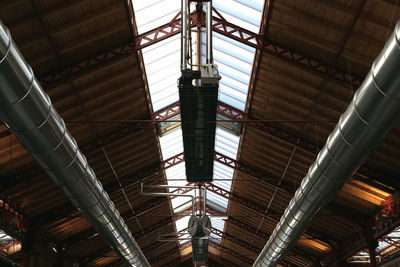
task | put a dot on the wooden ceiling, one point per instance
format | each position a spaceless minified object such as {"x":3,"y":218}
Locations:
{"x":83,"y":54}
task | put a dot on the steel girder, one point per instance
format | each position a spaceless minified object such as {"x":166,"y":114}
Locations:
{"x":12,"y":221}
{"x":381,"y":224}
{"x":242,"y":117}
{"x":317,"y":66}
{"x":242,"y":201}
{"x":221,"y":26}
{"x":267,"y":127}
{"x":224,"y":28}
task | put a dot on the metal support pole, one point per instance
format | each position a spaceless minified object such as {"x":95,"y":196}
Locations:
{"x":371,"y":242}
{"x":205,"y":201}
{"x":200,"y":196}
{"x":209,"y":55}
{"x":184,"y":37}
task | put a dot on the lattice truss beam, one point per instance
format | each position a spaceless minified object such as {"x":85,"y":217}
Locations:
{"x":222,"y":26}
{"x":134,"y":179}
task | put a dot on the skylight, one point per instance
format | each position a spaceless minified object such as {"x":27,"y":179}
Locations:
{"x":235,"y":62}
{"x":162,"y":64}
{"x":246,"y":14}
{"x":8,"y":245}
{"x":150,"y":14}
{"x":388,"y":246}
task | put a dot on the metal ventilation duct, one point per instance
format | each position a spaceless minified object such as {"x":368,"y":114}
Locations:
{"x":28,"y":112}
{"x":373,"y":112}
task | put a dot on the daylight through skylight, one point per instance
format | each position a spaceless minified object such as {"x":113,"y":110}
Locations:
{"x":162,"y":64}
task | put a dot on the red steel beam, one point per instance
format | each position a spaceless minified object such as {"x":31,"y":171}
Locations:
{"x":267,"y":127}
{"x":242,"y":117}
{"x":257,"y":175}
{"x":242,"y":201}
{"x":160,"y":33}
{"x":357,"y":242}
{"x":221,"y":26}
{"x":86,"y":66}
{"x":12,"y":221}
{"x":110,"y":55}
{"x":172,"y":161}
{"x":167,"y":112}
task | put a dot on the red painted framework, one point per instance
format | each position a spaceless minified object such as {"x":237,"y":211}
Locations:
{"x":223,"y":27}
{"x":220,"y":25}
{"x":12,"y":222}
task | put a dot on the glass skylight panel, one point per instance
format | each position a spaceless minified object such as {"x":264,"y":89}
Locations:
{"x":217,"y":223}
{"x":4,"y":237}
{"x":172,"y":143}
{"x":382,"y":244}
{"x":162,"y":64}
{"x":234,"y":61}
{"x":246,"y":14}
{"x":226,"y":143}
{"x":186,"y":239}
{"x":182,"y":203}
{"x":163,"y":71}
{"x":217,"y":199}
{"x":9,"y":245}
{"x":176,"y":172}
{"x":384,"y":248}
{"x":150,"y":14}
{"x":182,"y":223}
{"x":215,"y":238}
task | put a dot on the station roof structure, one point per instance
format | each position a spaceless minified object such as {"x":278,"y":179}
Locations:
{"x":289,"y":70}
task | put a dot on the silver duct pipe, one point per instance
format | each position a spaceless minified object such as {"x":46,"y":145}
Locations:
{"x":209,"y":55}
{"x":373,"y":112}
{"x":27,"y":111}
{"x":184,"y":32}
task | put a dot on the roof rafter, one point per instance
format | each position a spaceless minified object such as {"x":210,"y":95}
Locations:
{"x":221,"y":26}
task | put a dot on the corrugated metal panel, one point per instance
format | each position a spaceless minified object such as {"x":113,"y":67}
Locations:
{"x":226,"y":143}
{"x":246,"y":14}
{"x":234,"y":61}
{"x":162,"y":69}
{"x":172,"y":144}
{"x":151,"y":14}
{"x":176,"y":172}
{"x":384,"y":245}
{"x":162,"y":64}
